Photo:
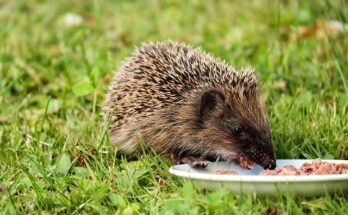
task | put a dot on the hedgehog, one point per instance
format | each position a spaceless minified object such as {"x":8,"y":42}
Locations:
{"x":189,"y":106}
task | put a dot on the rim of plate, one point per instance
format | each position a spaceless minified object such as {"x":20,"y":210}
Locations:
{"x":256,"y":178}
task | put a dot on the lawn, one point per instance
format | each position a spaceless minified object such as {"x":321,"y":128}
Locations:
{"x":57,"y":58}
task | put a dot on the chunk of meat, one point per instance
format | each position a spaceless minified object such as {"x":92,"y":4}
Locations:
{"x":341,"y":168}
{"x":225,"y":172}
{"x":317,"y":167}
{"x":324,"y":169}
{"x":286,"y":170}
{"x":306,"y":169}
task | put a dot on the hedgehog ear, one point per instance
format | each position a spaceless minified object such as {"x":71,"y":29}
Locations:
{"x":210,"y":100}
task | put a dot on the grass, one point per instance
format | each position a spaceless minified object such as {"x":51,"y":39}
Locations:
{"x":54,"y":154}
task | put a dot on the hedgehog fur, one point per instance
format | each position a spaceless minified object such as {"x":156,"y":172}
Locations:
{"x":182,"y":101}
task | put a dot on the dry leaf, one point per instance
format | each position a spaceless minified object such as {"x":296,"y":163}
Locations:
{"x":272,"y":211}
{"x":305,"y":31}
{"x":322,"y":28}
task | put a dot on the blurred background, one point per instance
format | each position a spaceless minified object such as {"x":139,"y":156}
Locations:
{"x":68,"y":51}
{"x":58,"y":57}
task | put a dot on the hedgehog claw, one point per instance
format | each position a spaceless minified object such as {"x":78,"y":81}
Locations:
{"x":194,"y":162}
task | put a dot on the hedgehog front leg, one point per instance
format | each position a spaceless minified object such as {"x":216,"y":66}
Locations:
{"x":195,"y":162}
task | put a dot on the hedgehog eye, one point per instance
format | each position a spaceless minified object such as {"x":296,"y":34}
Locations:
{"x":237,"y":130}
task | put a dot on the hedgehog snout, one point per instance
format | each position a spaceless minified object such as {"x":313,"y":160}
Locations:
{"x":270,"y":165}
{"x":268,"y":160}
{"x":262,"y":154}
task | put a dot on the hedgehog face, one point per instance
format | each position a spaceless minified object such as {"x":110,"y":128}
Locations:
{"x":256,"y":144}
{"x":239,"y":125}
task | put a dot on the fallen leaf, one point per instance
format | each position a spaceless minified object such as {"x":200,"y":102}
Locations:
{"x":322,"y":28}
{"x":90,"y":20}
{"x":332,"y":25}
{"x":306,"y":31}
{"x":273,"y":211}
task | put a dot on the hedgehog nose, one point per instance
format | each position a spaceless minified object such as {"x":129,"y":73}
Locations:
{"x":270,"y":165}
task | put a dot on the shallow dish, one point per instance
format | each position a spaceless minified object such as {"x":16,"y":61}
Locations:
{"x":248,"y":181}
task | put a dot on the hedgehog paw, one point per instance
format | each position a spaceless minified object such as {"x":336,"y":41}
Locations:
{"x":194,"y":162}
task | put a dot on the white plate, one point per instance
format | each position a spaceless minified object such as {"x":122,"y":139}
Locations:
{"x":248,"y":181}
